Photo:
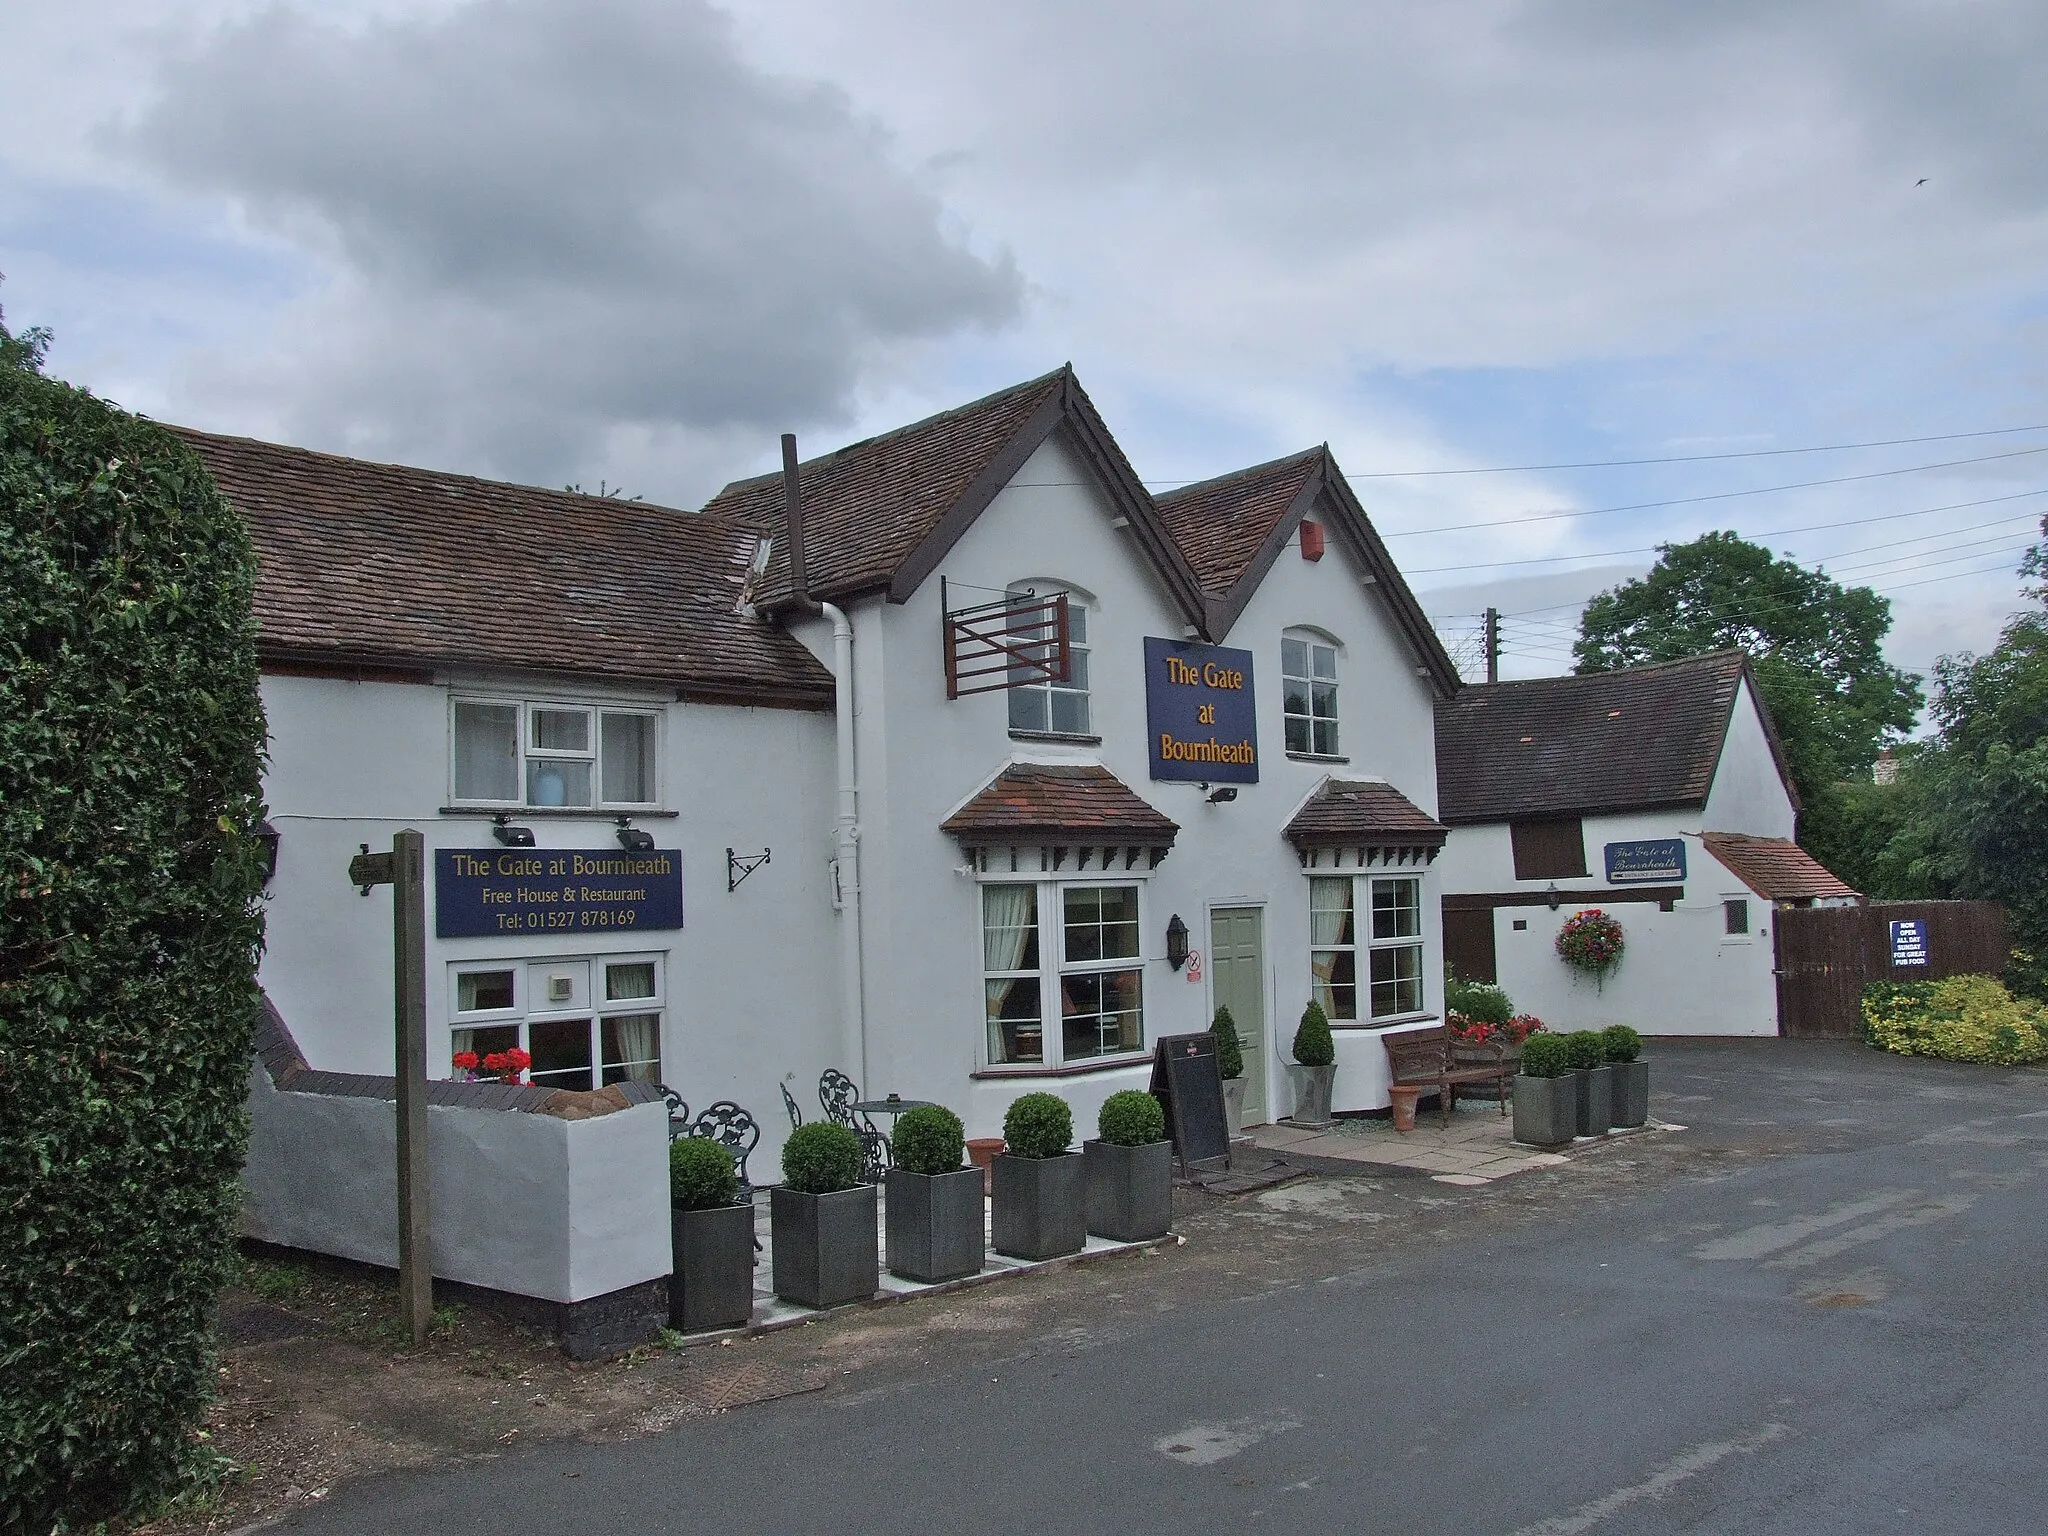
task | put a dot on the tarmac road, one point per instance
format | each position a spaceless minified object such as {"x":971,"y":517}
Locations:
{"x":1822,"y":1313}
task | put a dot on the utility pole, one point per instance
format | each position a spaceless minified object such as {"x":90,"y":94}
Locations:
{"x":1493,"y":645}
{"x":404,"y":869}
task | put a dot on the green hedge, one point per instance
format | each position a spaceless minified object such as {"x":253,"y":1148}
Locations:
{"x":130,"y":757}
{"x":1964,"y":1018}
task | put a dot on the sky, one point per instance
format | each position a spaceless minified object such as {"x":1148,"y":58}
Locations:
{"x":1484,"y":250}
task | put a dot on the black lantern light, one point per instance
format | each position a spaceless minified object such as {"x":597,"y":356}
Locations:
{"x":511,"y":836}
{"x":1176,"y":942}
{"x":1554,"y":895}
{"x":632,"y":839}
{"x":267,"y":836}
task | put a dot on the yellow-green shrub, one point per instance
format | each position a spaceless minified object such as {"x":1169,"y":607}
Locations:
{"x":1963,"y":1018}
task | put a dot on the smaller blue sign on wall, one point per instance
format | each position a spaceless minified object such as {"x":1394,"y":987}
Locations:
{"x":482,"y":892}
{"x":1909,"y":941}
{"x":1648,"y":860}
{"x":1201,"y":723}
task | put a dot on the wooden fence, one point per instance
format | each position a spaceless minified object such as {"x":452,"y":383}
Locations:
{"x":1827,"y":954}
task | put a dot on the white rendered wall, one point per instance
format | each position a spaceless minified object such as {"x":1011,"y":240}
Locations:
{"x":1748,"y":794}
{"x":921,"y":756}
{"x":750,"y":978}
{"x":527,"y":1204}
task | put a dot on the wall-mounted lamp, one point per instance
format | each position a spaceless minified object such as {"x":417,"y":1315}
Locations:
{"x":1224,"y":795}
{"x":1553,"y":896}
{"x":1176,"y":942}
{"x":267,"y":835}
{"x":632,"y":839}
{"x":511,"y":836}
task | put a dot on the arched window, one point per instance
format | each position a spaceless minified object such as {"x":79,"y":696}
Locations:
{"x":1052,"y":708}
{"x":1308,"y":690}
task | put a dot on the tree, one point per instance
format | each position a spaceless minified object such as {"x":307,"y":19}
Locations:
{"x":130,"y":789}
{"x":24,"y":352}
{"x":1814,"y":645}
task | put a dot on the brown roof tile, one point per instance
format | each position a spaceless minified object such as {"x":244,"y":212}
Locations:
{"x":378,"y":564}
{"x":1363,"y":813}
{"x":1636,"y":739}
{"x":1038,"y":801}
{"x":1222,"y":524}
{"x":1776,"y":868}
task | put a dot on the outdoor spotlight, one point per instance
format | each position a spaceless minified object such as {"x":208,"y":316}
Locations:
{"x":267,"y":835}
{"x":1553,"y":895}
{"x":1224,"y":795}
{"x":632,"y":839}
{"x":511,"y":836}
{"x":1176,"y":942}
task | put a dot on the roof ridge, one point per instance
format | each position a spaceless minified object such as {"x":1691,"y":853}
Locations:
{"x":1724,"y":654}
{"x":921,"y":424}
{"x":1247,"y":473}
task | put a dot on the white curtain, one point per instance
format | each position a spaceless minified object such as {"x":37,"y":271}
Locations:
{"x":1008,"y":918}
{"x":639,"y":1040}
{"x":1331,"y":933}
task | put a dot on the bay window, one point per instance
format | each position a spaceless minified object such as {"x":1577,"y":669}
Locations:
{"x":548,"y":755}
{"x":1063,"y":980}
{"x":1380,"y":958}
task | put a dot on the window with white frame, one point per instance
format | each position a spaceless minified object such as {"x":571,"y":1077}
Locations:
{"x":1378,"y":963}
{"x":1064,"y":982}
{"x":586,"y":1020}
{"x":1041,"y":704}
{"x":541,"y":755}
{"x":1308,"y":692}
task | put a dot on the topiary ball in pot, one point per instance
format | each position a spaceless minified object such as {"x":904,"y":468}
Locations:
{"x":1131,"y":1118}
{"x":1620,"y":1043}
{"x":1585,"y":1050}
{"x":1314,"y":1045}
{"x":1229,"y":1049}
{"x":928,"y":1140}
{"x":1546,"y":1056}
{"x":701,"y":1174}
{"x":1038,"y":1125}
{"x":821,"y":1159}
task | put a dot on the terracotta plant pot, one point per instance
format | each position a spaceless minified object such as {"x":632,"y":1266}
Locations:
{"x":982,"y":1151}
{"x":1404,"y":1106}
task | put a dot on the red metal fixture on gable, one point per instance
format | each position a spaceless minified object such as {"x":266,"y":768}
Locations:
{"x":1311,"y":541}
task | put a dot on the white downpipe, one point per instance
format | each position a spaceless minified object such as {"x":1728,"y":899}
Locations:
{"x":846,"y":856}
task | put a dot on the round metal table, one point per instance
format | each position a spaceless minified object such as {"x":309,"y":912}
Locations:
{"x":891,"y":1105}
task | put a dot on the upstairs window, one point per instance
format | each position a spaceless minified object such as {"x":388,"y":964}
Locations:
{"x":1308,"y":688}
{"x":1044,"y":707}
{"x":542,"y":755}
{"x":1548,"y":850}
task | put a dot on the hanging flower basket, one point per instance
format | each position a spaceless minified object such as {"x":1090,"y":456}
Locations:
{"x":1590,"y":941}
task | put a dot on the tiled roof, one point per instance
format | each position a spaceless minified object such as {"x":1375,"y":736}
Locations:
{"x":1636,"y":739}
{"x":1776,"y":868}
{"x":1363,"y":813}
{"x":1032,"y":802}
{"x":378,"y":564}
{"x":1222,"y":524}
{"x":868,"y":506}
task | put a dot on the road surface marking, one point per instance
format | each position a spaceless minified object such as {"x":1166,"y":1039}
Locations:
{"x":1686,"y":1464}
{"x":1755,"y":1242}
{"x":1870,"y":1232}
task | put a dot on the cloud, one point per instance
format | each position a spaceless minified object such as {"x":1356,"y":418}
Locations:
{"x":552,"y":230}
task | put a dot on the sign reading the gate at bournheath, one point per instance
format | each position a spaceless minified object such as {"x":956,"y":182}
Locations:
{"x":1909,"y":941}
{"x":480,"y":891}
{"x":1199,"y":713}
{"x":1647,"y":860}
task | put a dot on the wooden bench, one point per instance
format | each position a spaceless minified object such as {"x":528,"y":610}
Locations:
{"x":1421,"y":1058}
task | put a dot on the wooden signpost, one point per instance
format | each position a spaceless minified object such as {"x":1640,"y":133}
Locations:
{"x":1185,"y":1079}
{"x":404,"y":869}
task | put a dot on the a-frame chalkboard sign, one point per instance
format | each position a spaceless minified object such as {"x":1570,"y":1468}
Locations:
{"x":1186,"y":1081}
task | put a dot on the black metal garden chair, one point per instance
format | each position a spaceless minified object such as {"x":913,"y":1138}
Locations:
{"x":796,"y":1116}
{"x":839,"y":1093}
{"x":734,"y":1129}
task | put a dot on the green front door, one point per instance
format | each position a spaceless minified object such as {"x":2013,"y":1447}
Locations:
{"x":1237,"y":968}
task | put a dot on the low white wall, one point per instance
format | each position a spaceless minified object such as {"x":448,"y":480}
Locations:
{"x":563,"y":1210}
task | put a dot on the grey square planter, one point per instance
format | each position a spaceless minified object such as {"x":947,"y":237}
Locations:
{"x":1130,"y":1190}
{"x":1546,"y":1109}
{"x":711,"y":1283}
{"x":1631,"y":1089}
{"x":826,"y":1247}
{"x":1312,"y":1087}
{"x":1596,"y":1090}
{"x":936,"y":1226}
{"x":1039,"y":1206}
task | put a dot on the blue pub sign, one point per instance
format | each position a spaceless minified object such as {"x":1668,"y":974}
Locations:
{"x":1649,"y":860}
{"x":1201,"y":723}
{"x":1909,"y":941}
{"x":480,"y":892}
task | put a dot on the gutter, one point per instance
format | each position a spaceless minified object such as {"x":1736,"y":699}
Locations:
{"x":845,"y":863}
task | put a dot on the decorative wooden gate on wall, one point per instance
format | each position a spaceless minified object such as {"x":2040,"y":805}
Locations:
{"x":1827,"y":954}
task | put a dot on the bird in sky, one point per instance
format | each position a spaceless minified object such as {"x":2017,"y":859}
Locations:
{"x":1921,"y":182}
